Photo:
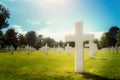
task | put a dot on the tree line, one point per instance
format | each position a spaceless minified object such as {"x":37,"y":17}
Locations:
{"x":111,"y":38}
{"x":30,"y":38}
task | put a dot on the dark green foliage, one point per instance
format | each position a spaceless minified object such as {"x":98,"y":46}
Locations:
{"x":72,"y":44}
{"x":31,"y":38}
{"x":110,"y":38}
{"x":61,"y":44}
{"x":39,"y":43}
{"x":85,"y":42}
{"x":49,"y":41}
{"x":4,"y":16}
{"x":11,"y":38}
{"x":21,"y":40}
{"x":1,"y":39}
{"x":112,"y":35}
{"x":96,"y":41}
{"x":118,"y":38}
{"x":104,"y":41}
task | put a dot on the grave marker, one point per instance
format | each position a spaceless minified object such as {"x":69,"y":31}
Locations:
{"x":93,"y":49}
{"x":79,"y":38}
{"x":11,"y":49}
{"x":68,"y":49}
{"x":59,"y":49}
{"x":44,"y":49}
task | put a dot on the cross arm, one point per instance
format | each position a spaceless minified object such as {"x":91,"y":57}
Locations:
{"x":69,"y":38}
{"x":89,"y":37}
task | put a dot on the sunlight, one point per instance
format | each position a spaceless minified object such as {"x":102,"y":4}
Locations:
{"x":48,"y":2}
{"x":53,"y":1}
{"x":53,"y":7}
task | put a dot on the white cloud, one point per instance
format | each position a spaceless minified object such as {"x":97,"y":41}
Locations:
{"x":57,"y":35}
{"x":35,"y":23}
{"x":98,"y":34}
{"x":49,"y":22}
{"x":44,"y":32}
{"x":19,"y":29}
{"x":16,"y":26}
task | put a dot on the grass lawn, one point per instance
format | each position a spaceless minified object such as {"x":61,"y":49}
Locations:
{"x":55,"y":66}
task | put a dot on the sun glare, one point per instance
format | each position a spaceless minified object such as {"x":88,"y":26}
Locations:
{"x":53,"y":1}
{"x":54,"y":6}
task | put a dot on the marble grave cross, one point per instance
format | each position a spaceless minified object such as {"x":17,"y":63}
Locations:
{"x":92,"y":48}
{"x":79,"y":38}
{"x":67,"y":49}
{"x":46,"y":49}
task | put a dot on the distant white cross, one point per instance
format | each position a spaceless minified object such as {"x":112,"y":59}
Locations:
{"x":79,"y":38}
{"x":46,"y":49}
{"x":11,"y":49}
{"x":92,"y":48}
{"x":27,"y":48}
{"x":59,"y":49}
{"x":67,"y":49}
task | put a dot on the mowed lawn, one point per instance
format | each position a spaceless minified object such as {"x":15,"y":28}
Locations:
{"x":58,"y":66}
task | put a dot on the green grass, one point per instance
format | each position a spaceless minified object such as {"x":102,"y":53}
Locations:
{"x":55,"y":66}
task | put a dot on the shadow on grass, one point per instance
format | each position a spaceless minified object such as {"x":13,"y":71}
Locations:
{"x":87,"y":75}
{"x":109,"y":67}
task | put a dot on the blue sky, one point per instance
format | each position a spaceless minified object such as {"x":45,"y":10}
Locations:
{"x":56,"y":18}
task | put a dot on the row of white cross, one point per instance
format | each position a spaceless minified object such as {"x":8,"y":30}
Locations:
{"x":27,"y":49}
{"x":45,"y":49}
{"x":78,"y":38}
{"x":111,"y":49}
{"x":68,"y":49}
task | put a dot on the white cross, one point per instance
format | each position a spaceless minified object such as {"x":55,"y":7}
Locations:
{"x":92,"y":49}
{"x":46,"y":49}
{"x":67,"y":49}
{"x":79,"y":38}
{"x":27,"y":48}
{"x":59,"y":49}
{"x":11,"y":49}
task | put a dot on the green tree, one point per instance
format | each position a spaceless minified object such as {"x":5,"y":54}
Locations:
{"x":72,"y":44}
{"x":39,"y":43}
{"x":49,"y":41}
{"x":31,"y":38}
{"x":21,"y":40}
{"x":109,"y":38}
{"x":1,"y":39}
{"x":104,"y":40}
{"x":96,"y":41}
{"x":11,"y":37}
{"x":4,"y":16}
{"x":85,"y":42}
{"x":112,"y":35}
{"x":62,"y":44}
{"x":118,"y":38}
